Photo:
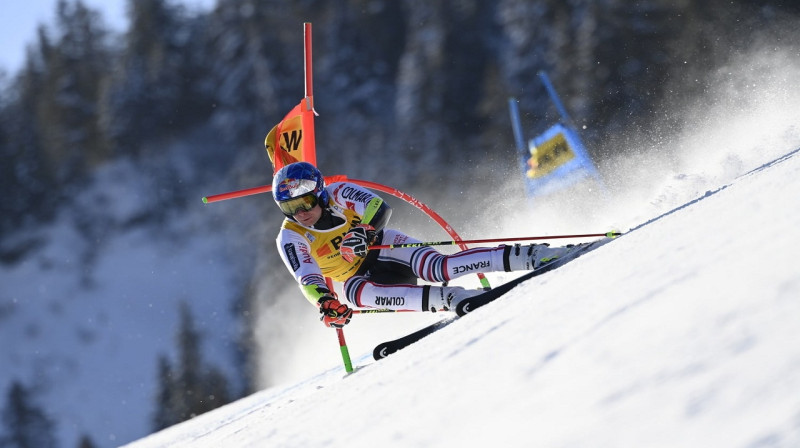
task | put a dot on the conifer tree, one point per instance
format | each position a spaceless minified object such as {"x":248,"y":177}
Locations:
{"x":26,"y":425}
{"x":157,"y":88}
{"x":192,"y":388}
{"x":165,"y":415}
{"x":248,"y":66}
{"x":74,"y":63}
{"x":86,"y":442}
{"x":190,"y":364}
{"x":23,"y":170}
{"x":49,"y":132}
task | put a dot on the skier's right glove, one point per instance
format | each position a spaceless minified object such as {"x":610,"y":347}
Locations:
{"x":334,"y":313}
{"x":356,"y":242}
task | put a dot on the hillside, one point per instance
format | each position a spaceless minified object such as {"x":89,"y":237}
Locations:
{"x":680,"y":333}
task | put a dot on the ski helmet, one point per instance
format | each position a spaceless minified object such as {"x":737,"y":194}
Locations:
{"x":297,"y":186}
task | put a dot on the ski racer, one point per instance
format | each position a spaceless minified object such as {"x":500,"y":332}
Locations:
{"x":327,"y":232}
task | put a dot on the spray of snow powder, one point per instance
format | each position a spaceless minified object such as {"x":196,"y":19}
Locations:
{"x":747,"y":117}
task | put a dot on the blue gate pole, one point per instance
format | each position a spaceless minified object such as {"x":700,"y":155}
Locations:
{"x":516,"y":125}
{"x":554,"y":97}
{"x":522,"y":150}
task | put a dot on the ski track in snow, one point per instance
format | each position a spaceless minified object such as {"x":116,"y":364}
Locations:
{"x":682,"y":332}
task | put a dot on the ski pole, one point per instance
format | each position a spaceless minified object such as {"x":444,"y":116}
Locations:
{"x":348,"y":365}
{"x":612,"y":234}
{"x":382,"y":310}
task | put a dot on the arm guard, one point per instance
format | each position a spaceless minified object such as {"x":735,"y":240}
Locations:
{"x":377,"y":214}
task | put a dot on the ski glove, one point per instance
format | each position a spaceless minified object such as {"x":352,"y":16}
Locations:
{"x":334,"y":313}
{"x":356,"y":242}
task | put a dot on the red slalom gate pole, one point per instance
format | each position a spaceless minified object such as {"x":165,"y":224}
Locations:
{"x":237,"y":194}
{"x":348,"y":364}
{"x":307,"y":60}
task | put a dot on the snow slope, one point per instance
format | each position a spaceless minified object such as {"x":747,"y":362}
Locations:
{"x":682,"y":333}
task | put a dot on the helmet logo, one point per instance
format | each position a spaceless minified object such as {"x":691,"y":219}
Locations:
{"x":297,"y":187}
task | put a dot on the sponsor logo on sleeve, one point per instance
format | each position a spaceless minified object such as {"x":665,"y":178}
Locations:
{"x":291,"y":255}
{"x":350,"y":193}
{"x":304,"y":253}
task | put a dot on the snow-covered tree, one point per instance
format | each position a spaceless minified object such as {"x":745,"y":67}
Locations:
{"x":74,"y":60}
{"x":159,"y":87}
{"x":249,"y":63}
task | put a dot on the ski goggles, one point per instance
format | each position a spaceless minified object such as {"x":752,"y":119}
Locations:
{"x":305,"y":203}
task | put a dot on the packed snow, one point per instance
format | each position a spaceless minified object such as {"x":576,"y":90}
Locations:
{"x":682,"y":332}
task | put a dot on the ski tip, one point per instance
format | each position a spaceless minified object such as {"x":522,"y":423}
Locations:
{"x":381,"y":351}
{"x":205,"y":200}
{"x":613,"y":234}
{"x":463,"y":308}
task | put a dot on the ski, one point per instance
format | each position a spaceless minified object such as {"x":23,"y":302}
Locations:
{"x":385,"y":349}
{"x":468,"y":305}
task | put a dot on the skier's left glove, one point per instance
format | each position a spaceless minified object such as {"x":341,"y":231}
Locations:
{"x":334,"y":313}
{"x":356,"y":242}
